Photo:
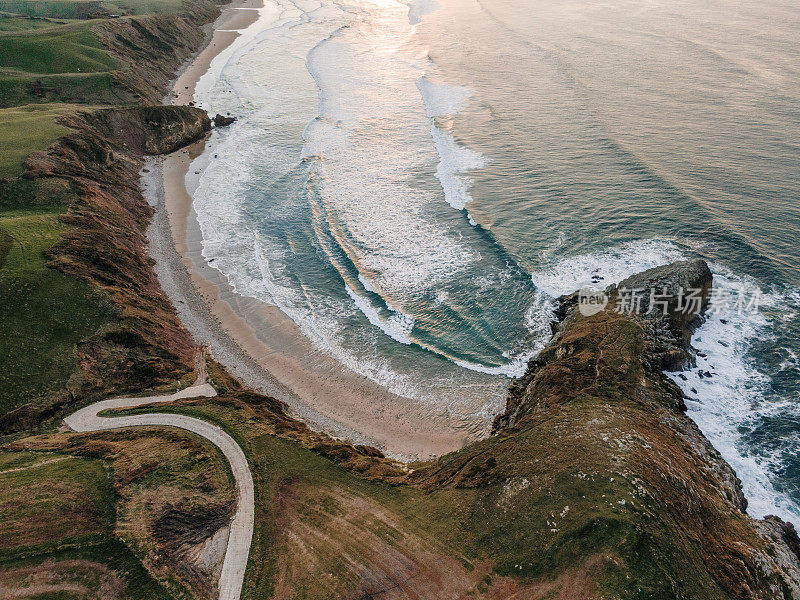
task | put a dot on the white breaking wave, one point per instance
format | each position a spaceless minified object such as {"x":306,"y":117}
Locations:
{"x":442,"y":100}
{"x":454,"y":161}
{"x":733,"y":397}
{"x":397,"y":326}
{"x":604,"y":268}
{"x":735,"y":394}
{"x":417,"y":9}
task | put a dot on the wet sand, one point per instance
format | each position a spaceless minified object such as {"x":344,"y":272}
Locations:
{"x":258,"y":342}
{"x":235,"y":17}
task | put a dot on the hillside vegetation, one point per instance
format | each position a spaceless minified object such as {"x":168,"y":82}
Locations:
{"x":64,"y":63}
{"x":45,"y":313}
{"x":57,"y":534}
{"x":56,"y":63}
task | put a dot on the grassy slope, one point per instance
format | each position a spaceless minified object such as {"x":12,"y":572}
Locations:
{"x":25,"y":129}
{"x":69,"y":48}
{"x":66,"y":9}
{"x":59,"y":62}
{"x":68,"y":514}
{"x":67,"y":502}
{"x":54,"y":9}
{"x":154,"y":472}
{"x":44,"y":312}
{"x":15,"y":24}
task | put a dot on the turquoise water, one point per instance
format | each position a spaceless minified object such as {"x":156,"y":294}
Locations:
{"x":413,"y":184}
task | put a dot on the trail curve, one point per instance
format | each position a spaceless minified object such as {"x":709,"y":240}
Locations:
{"x":241,"y":528}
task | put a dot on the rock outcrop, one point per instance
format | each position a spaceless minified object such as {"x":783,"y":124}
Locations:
{"x":149,"y":129}
{"x":674,"y":298}
{"x":595,"y":460}
{"x":223,"y":121}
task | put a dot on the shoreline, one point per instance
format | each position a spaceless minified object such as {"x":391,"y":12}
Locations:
{"x":260,"y":344}
{"x":236,"y":17}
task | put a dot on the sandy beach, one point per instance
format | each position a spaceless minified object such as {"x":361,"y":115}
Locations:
{"x":235,"y":17}
{"x":256,"y":341}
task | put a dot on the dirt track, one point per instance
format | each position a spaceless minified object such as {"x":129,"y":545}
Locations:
{"x":241,"y":529}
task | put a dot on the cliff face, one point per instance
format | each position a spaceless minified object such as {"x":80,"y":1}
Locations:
{"x":594,"y":467}
{"x":148,"y":129}
{"x":94,"y":170}
{"x":105,"y":246}
{"x":599,"y":465}
{"x":154,"y":46}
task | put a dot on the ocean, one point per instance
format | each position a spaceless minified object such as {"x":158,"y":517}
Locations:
{"x":414,"y":183}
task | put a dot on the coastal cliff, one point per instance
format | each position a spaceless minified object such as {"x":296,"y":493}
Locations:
{"x":601,"y":468}
{"x":97,"y":168}
{"x":594,"y":484}
{"x":93,"y":169}
{"x":152,"y":47}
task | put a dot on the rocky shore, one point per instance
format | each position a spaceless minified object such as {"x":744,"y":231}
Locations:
{"x":595,"y":437}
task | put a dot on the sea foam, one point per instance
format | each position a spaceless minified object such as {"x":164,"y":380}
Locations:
{"x":734,"y":398}
{"x":455,"y":160}
{"x":737,"y":395}
{"x":417,"y":9}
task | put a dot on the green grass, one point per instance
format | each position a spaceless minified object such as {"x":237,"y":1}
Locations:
{"x":81,"y":9}
{"x":44,"y":312}
{"x":25,"y":129}
{"x":78,"y":88}
{"x":111,"y":552}
{"x":69,"y":502}
{"x":61,"y":63}
{"x":65,"y":49}
{"x":66,"y":511}
{"x":13,"y":24}
{"x":53,"y":9}
{"x":141,"y":7}
{"x":15,"y":460}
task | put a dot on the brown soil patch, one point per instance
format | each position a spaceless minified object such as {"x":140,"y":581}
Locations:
{"x":89,"y":579}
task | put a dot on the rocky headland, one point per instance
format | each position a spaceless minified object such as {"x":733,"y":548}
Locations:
{"x":96,"y":169}
{"x":613,"y":474}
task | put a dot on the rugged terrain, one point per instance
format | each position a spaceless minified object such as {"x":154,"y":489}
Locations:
{"x":105,"y":245}
{"x":610,"y":472}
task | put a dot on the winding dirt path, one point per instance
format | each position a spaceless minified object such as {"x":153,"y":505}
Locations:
{"x":34,"y":465}
{"x":241,"y":528}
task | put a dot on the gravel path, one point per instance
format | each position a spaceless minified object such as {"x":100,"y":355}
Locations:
{"x":241,"y":528}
